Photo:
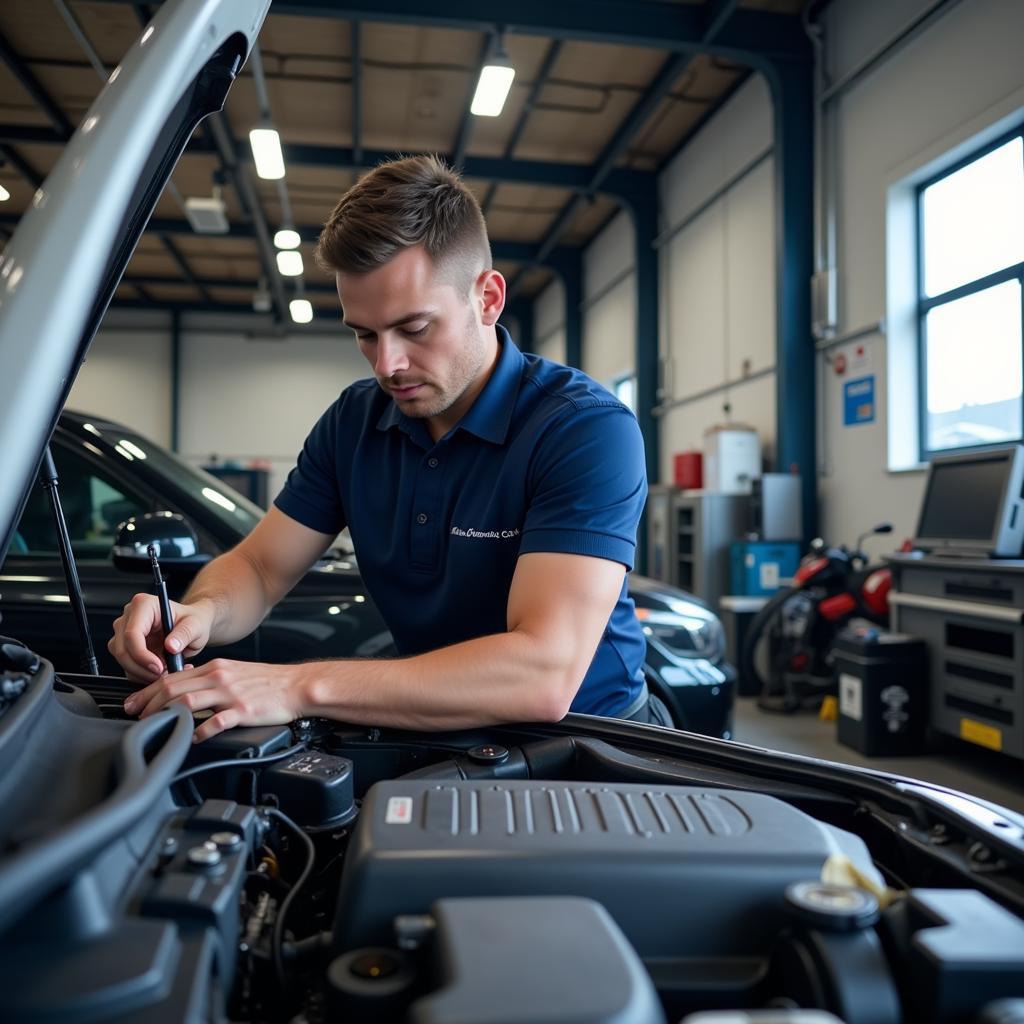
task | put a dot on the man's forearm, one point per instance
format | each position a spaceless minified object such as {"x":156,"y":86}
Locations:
{"x":237,"y":594}
{"x":506,"y":677}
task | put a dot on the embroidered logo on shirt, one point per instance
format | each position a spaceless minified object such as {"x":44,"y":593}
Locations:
{"x":458,"y":531}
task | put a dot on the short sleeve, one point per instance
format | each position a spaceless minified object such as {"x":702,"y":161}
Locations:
{"x":588,"y":486}
{"x":311,"y":495}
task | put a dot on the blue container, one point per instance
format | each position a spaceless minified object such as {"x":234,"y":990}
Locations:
{"x":760,"y":567}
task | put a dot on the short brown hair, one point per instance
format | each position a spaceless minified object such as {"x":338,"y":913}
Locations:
{"x":417,"y":200}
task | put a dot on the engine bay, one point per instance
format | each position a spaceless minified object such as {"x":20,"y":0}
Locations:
{"x":590,"y":871}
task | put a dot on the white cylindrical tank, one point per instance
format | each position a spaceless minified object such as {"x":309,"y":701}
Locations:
{"x":732,"y":458}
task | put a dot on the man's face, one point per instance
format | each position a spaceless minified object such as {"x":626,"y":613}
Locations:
{"x":431,"y":344}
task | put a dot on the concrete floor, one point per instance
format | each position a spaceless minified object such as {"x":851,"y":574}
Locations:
{"x":955,"y":764}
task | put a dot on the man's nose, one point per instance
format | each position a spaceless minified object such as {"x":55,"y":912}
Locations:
{"x":391,"y":357}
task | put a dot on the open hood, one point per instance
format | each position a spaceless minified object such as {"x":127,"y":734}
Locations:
{"x":60,"y":270}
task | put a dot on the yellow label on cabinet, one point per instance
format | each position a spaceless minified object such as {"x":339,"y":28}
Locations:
{"x":984,"y":735}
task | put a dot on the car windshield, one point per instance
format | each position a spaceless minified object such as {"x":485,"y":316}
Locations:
{"x":231,"y":508}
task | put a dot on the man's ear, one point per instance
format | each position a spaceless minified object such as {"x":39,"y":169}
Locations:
{"x":490,"y":293}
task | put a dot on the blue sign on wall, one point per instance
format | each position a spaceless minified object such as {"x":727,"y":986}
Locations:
{"x":859,"y":401}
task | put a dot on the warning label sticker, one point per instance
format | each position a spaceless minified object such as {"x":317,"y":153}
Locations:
{"x":399,"y":811}
{"x":851,"y":701}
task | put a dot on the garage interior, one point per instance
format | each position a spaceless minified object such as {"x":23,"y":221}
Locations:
{"x":789,"y":234}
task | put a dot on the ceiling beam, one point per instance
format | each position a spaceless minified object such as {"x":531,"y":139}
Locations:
{"x":34,"y":88}
{"x":75,"y":28}
{"x":513,"y":252}
{"x":714,"y":21}
{"x":357,"y":92}
{"x":186,"y":307}
{"x":321,"y":318}
{"x":750,"y":36}
{"x":717,"y":14}
{"x":467,"y":122}
{"x":522,"y":172}
{"x":217,"y":282}
{"x":182,"y":264}
{"x":24,"y":168}
{"x":249,"y":199}
{"x":18,"y":133}
{"x":552,"y":173}
{"x":62,"y":127}
{"x":554,"y":50}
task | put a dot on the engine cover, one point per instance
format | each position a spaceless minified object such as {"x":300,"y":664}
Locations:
{"x":683,"y":871}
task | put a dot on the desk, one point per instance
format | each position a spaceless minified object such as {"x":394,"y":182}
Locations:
{"x":970,"y":613}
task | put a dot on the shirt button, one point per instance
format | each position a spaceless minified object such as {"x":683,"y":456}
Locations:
{"x":421,"y":518}
{"x":432,"y":463}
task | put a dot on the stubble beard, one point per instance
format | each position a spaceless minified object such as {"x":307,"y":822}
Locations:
{"x":464,"y":368}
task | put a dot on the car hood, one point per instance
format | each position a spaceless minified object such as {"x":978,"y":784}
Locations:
{"x":106,"y":183}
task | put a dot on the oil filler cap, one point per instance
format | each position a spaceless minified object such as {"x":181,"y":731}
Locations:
{"x":834,"y":908}
{"x":489,"y":753}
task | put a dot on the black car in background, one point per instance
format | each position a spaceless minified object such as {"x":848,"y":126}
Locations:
{"x":108,"y":473}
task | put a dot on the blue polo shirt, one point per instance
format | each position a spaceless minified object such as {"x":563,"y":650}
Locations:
{"x":545,"y":460}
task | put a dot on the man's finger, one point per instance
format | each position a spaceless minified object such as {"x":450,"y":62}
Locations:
{"x":188,"y":630}
{"x":139,"y":623}
{"x":138,"y":672}
{"x":226,"y":719}
{"x":197,"y":700}
{"x":171,"y":686}
{"x":140,"y":700}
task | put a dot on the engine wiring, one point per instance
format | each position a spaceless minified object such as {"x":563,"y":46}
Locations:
{"x":277,"y":940}
{"x":238,"y":762}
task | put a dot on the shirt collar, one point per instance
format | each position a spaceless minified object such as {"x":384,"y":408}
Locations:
{"x":490,"y":415}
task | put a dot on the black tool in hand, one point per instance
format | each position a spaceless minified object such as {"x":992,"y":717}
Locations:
{"x":175,"y":662}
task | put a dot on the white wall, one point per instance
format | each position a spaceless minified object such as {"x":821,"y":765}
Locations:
{"x":933,"y":97}
{"x":717,"y":273}
{"x":245,"y":399}
{"x":243,"y":396}
{"x":549,"y":322}
{"x":126,"y":377}
{"x":609,"y":303}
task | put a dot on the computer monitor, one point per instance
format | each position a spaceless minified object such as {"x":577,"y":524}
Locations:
{"x":974,"y":504}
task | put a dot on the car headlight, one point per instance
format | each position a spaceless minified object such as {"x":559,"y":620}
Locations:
{"x":685,"y":636}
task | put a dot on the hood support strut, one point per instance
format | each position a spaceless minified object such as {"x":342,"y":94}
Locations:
{"x":48,"y":478}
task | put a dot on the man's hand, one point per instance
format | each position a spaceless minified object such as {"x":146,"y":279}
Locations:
{"x":139,"y":643}
{"x":241,"y":693}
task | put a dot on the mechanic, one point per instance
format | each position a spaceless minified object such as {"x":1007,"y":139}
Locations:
{"x":492,"y":498}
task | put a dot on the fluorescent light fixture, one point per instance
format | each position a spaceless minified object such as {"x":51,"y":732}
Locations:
{"x":287,"y":238}
{"x":4,"y":194}
{"x":492,"y":88}
{"x":266,"y":153}
{"x":289,"y":262}
{"x":301,"y":310}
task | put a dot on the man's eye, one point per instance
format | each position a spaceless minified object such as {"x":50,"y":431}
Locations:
{"x":418,"y":333}
{"x":365,"y":337}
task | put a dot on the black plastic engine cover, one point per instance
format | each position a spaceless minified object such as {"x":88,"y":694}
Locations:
{"x":579,"y":965}
{"x":683,"y":871}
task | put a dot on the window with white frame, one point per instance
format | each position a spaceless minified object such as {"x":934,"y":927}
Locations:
{"x":624,"y":389}
{"x":971,"y":300}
